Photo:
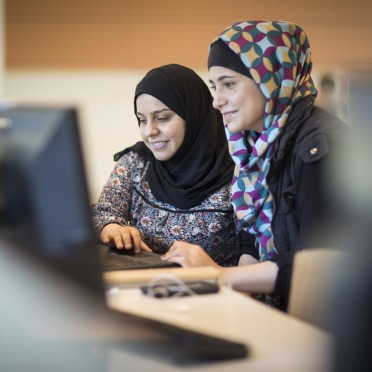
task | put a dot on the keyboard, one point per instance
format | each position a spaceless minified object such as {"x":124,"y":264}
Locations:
{"x":113,"y":259}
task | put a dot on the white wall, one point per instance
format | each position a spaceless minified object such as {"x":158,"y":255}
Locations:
{"x":2,"y":47}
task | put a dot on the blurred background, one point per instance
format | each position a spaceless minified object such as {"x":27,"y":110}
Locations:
{"x":92,"y":53}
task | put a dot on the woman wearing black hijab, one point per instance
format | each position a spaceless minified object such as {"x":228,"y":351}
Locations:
{"x":175,"y":185}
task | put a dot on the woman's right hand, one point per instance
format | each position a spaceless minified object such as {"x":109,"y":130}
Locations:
{"x":188,"y":255}
{"x":123,"y":237}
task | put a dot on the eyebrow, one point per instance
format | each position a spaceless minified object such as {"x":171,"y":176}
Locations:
{"x":222,"y":78}
{"x":155,"y":112}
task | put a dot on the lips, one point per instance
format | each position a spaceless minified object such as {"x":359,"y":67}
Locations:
{"x":228,"y":114}
{"x":158,"y":145}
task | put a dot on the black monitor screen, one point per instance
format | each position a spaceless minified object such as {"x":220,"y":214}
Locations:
{"x":44,"y":199}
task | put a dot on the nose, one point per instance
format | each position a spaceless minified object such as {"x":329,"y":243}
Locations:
{"x":218,"y":100}
{"x":151,"y":128}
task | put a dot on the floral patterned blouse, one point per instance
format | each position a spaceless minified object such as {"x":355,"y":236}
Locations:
{"x":127,"y":198}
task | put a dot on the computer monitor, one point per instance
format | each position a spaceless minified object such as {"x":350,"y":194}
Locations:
{"x":44,"y":198}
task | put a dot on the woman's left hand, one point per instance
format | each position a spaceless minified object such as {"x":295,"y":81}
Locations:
{"x":188,"y":255}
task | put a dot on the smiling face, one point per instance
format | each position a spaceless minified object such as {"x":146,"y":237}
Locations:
{"x":238,"y":98}
{"x":161,"y":129}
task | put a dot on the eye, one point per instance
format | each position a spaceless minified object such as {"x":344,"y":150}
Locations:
{"x":229,"y":84}
{"x":162,"y":119}
{"x":142,"y":121}
{"x":213,"y":88}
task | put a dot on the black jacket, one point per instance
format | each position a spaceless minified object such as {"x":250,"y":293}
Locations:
{"x":298,"y":181}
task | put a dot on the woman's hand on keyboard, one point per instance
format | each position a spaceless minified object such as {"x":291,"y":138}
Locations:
{"x":188,"y":255}
{"x":123,"y":237}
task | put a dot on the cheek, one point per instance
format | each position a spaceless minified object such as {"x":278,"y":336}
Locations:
{"x":181,"y":137}
{"x":261,"y":100}
{"x":178,"y":139}
{"x":260,"y":112}
{"x":142,"y":134}
{"x":179,"y":133}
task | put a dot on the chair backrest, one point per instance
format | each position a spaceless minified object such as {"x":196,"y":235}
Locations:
{"x":312,"y":282}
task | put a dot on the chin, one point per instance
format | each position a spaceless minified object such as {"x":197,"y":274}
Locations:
{"x":162,"y":157}
{"x":234,"y":128}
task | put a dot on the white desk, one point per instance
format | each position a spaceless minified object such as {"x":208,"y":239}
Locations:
{"x":49,"y":323}
{"x":277,"y":341}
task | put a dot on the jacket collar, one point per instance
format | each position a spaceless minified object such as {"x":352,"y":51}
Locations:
{"x":299,"y":114}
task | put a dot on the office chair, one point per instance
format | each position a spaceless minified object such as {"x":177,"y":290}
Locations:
{"x":313,"y":280}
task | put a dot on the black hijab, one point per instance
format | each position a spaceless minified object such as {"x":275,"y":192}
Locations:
{"x":202,"y":164}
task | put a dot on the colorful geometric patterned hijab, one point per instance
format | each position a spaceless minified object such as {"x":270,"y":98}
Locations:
{"x":277,"y":55}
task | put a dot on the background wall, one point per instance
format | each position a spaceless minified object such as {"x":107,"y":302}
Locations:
{"x":92,"y":53}
{"x":1,"y":48}
{"x":117,"y":34}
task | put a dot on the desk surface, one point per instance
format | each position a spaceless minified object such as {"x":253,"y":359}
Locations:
{"x":278,"y":342}
{"x":49,"y":323}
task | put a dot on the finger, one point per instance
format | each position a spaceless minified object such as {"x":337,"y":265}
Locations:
{"x":105,"y":239}
{"x":168,"y":255}
{"x":136,"y":239}
{"x":173,"y":246}
{"x":177,"y":259}
{"x":118,"y":241}
{"x":126,"y":238}
{"x":145,"y":247}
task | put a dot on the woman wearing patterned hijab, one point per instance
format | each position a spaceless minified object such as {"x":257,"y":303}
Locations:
{"x":260,"y":72}
{"x":176,"y":184}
